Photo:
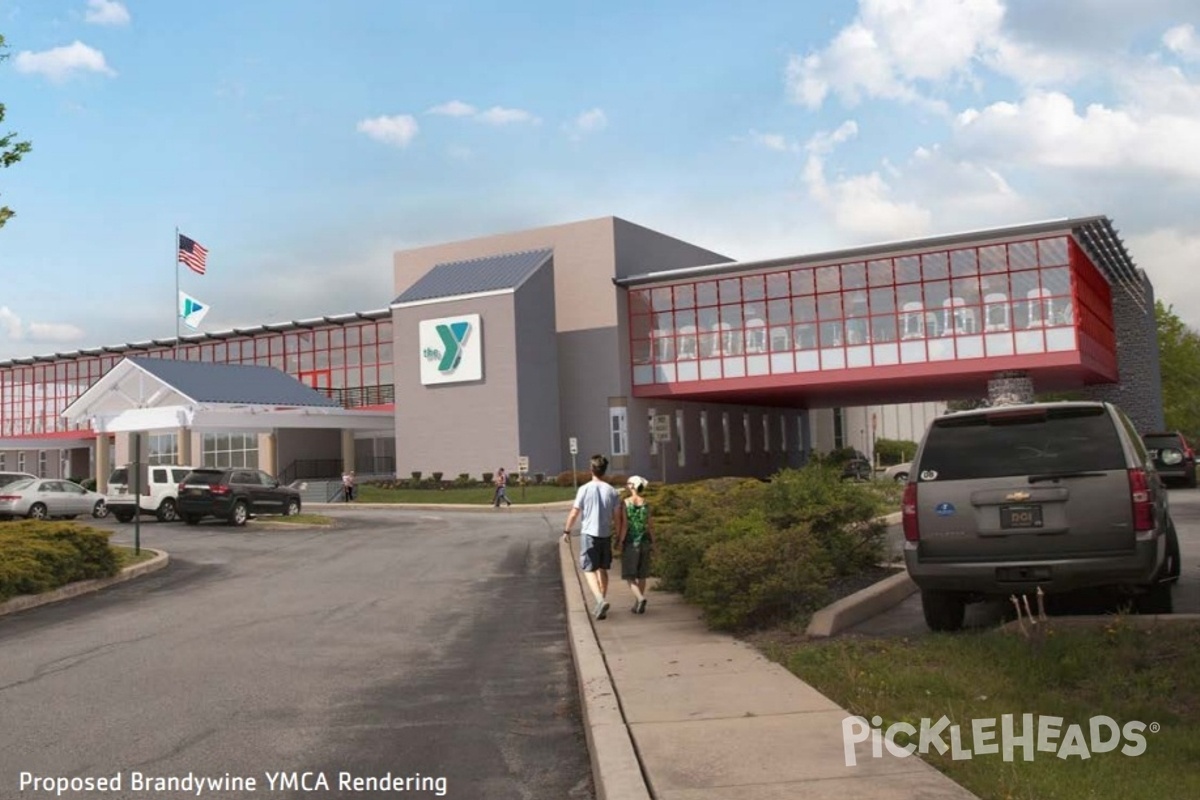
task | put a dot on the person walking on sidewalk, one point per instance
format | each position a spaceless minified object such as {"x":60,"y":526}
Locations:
{"x":635,"y":540}
{"x":501,"y":494}
{"x":348,"y":486}
{"x":597,"y":503}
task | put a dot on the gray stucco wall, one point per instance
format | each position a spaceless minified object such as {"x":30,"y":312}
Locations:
{"x":292,"y":444}
{"x":1139,"y":390}
{"x":539,"y":434}
{"x":467,"y":427}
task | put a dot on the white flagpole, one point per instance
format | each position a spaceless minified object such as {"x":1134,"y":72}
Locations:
{"x":176,"y":302}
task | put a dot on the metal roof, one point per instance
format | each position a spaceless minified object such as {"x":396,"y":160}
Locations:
{"x":478,"y":275}
{"x":194,"y":338}
{"x":1096,"y":235}
{"x":242,"y":384}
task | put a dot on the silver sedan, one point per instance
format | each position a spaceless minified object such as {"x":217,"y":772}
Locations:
{"x":43,"y":498}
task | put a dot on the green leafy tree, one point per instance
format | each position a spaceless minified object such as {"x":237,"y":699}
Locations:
{"x":1179,"y":362}
{"x":10,"y":149}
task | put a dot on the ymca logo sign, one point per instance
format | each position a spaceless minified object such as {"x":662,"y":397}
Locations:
{"x":451,"y":349}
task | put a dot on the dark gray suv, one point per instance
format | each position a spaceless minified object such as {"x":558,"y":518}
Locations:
{"x":1056,"y":496}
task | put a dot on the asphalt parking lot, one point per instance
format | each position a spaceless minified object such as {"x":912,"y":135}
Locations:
{"x":402,"y":643}
{"x":906,"y":619}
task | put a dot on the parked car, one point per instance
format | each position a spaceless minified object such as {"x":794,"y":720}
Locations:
{"x":898,"y":472}
{"x":9,"y":477}
{"x":1007,"y":500}
{"x":159,"y":485}
{"x":44,"y":498}
{"x":234,"y":495}
{"x":1173,"y":457}
{"x":858,"y":468}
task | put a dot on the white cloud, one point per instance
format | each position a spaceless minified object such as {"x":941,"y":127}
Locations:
{"x":498,"y":115}
{"x":10,"y":323}
{"x":772,"y":141}
{"x":590,"y":121}
{"x":1169,"y":257}
{"x":398,"y":130}
{"x":60,"y":63}
{"x":106,"y":12}
{"x":1183,"y":41}
{"x":56,"y":332}
{"x":454,"y":108}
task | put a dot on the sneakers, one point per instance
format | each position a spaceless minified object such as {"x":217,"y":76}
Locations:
{"x":601,"y":609}
{"x":640,"y":606}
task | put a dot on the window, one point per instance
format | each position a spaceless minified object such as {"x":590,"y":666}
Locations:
{"x":230,"y":450}
{"x":650,"y":413}
{"x":618,"y":426}
{"x":164,"y":448}
{"x":725,"y":439}
{"x":766,"y":421}
{"x":3,"y":462}
{"x":782,"y":433}
{"x":20,"y":462}
{"x":41,"y":463}
{"x":746,"y":429}
{"x":704,"y":432}
{"x":679,"y":433}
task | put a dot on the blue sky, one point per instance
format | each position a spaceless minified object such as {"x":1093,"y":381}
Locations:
{"x":303,"y":142}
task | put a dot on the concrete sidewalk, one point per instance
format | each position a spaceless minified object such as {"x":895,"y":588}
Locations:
{"x":674,"y":711}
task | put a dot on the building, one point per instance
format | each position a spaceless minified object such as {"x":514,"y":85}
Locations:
{"x":511,"y":347}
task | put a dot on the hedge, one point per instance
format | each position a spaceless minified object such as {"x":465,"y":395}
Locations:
{"x":36,"y":556}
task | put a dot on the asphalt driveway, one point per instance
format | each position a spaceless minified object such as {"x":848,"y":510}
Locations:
{"x":401,"y":645}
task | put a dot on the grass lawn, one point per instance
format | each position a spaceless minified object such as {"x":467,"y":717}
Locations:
{"x":1077,"y":673}
{"x":476,"y":495}
{"x":303,"y":518}
{"x":127,"y":558}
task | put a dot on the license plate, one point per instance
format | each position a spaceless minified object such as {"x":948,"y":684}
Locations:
{"x":1020,"y":516}
{"x":194,"y":490}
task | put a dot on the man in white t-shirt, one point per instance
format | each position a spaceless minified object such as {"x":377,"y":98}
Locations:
{"x":598,"y":503}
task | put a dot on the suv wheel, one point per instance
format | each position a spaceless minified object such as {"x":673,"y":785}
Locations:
{"x":240,"y":514}
{"x":100,"y":510}
{"x":166,"y":511}
{"x":191,"y":519}
{"x":944,"y":611}
{"x":1157,"y":600}
{"x":123,"y":516}
{"x":292,"y":508}
{"x":901,"y":477}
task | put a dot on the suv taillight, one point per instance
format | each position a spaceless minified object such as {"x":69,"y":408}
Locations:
{"x":908,"y":511}
{"x":218,"y":488}
{"x":1143,"y":506}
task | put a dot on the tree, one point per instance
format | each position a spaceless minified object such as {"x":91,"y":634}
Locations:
{"x":10,"y":149}
{"x":1179,"y":364}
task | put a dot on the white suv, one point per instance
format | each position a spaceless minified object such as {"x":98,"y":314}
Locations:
{"x":160,"y":490}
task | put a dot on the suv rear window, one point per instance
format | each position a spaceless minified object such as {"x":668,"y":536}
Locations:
{"x":119,"y":476}
{"x":207,"y":477}
{"x":1002,"y":443}
{"x":1159,"y":441}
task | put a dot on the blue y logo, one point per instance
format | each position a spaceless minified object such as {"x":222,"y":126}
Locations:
{"x":454,"y":337}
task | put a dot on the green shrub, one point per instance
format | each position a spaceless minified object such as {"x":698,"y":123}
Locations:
{"x":463,"y":480}
{"x":38,"y":556}
{"x":416,"y":478}
{"x":487,"y":478}
{"x":564,"y":478}
{"x":757,"y":580}
{"x":894,"y":451}
{"x":437,"y":477}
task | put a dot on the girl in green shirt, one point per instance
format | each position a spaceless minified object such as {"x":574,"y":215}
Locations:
{"x":635,"y":538}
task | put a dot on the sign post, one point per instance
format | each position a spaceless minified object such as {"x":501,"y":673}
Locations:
{"x":573,"y":446}
{"x":136,"y":485}
{"x":660,"y":430}
{"x":522,"y":468}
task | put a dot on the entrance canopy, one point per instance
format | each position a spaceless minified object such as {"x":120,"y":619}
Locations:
{"x":143,"y":394}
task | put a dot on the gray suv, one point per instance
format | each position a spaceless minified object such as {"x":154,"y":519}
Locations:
{"x":1057,"y":496}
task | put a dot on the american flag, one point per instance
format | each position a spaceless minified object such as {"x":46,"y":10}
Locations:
{"x":192,"y":253}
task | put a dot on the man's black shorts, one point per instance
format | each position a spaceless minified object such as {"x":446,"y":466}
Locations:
{"x":595,"y":553}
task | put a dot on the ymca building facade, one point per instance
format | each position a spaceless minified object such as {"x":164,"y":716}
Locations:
{"x":507,"y":346}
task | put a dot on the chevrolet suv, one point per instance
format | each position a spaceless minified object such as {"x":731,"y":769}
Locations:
{"x":1005,"y":501}
{"x":1173,"y":457}
{"x":234,"y":494}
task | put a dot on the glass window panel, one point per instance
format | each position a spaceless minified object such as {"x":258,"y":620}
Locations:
{"x":804,"y":309}
{"x":829,"y":306}
{"x":880,"y":272}
{"x":1052,"y":252}
{"x":353,"y":337}
{"x":322,"y":339}
{"x":685,"y":318}
{"x":640,"y":351}
{"x":753,"y":288}
{"x":1057,"y":280}
{"x":964,"y":262}
{"x":685,"y":295}
{"x":854,"y":276}
{"x":337,"y":338}
{"x":779,"y":311}
{"x":369,"y":354}
{"x":385,"y":353}
{"x":805,"y":336}
{"x":778,"y":285}
{"x":322,"y":359}
{"x":936,"y":293}
{"x":831,"y":334}
{"x":639,"y":301}
{"x":662,"y":298}
{"x":855,"y":303}
{"x":706,"y":294}
{"x":368,"y":334}
{"x":908,"y":269}
{"x":732,"y":316}
{"x":781,"y":338}
{"x":934,"y":266}
{"x":967,"y":289}
{"x":1022,"y":255}
{"x":708,"y":318}
{"x":883,"y":300}
{"x":664,"y":322}
{"x":829,"y":279}
{"x":353,"y":358}
{"x":639,"y":326}
{"x":802,"y":282}
{"x":731,"y":290}
{"x":992,"y":259}
{"x":883,"y":328}
{"x":370,"y":376}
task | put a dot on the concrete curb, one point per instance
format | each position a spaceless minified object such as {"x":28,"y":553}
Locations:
{"x":862,"y":605}
{"x":27,"y":601}
{"x":616,"y":771}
